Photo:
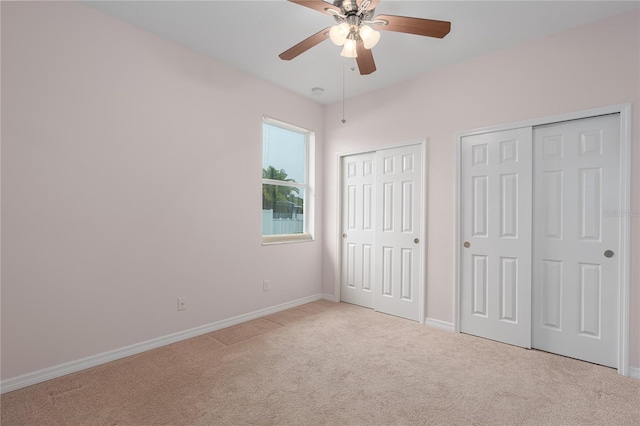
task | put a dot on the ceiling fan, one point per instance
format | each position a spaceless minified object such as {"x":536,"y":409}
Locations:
{"x":354,"y":29}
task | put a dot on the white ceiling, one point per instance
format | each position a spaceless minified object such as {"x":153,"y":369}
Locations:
{"x":249,"y":35}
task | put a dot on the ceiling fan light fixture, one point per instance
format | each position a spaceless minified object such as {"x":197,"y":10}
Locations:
{"x":338,"y":33}
{"x":369,"y":36}
{"x":349,"y":50}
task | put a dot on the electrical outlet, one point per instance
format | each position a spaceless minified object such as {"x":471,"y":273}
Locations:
{"x":182,"y":303}
{"x":265,"y":285}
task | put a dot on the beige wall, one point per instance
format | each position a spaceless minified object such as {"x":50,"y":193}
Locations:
{"x":131,"y":172}
{"x":591,"y":66}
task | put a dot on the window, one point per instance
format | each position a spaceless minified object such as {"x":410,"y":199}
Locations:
{"x":287,"y":198}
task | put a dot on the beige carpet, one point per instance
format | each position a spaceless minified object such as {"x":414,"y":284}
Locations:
{"x":332,"y":364}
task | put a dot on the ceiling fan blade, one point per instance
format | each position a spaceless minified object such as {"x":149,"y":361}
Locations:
{"x":418,"y":26}
{"x":366,"y":65}
{"x":305,"y":44}
{"x":319,"y":5}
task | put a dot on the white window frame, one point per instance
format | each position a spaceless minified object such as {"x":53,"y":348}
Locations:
{"x":307,"y":187}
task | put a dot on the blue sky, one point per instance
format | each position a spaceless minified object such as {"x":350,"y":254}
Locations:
{"x":284,"y":149}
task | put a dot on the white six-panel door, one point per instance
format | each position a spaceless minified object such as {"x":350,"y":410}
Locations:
{"x":381,"y":260}
{"x":495,"y":290}
{"x":397,"y":236}
{"x":358,"y":216}
{"x":575,"y":288}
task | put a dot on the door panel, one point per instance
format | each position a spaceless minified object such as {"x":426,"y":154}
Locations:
{"x":495,"y":288}
{"x":508,"y":289}
{"x":575,"y":287}
{"x":397,"y":236}
{"x":358,"y":232}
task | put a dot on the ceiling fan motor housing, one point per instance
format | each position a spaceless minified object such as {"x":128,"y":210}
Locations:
{"x":347,"y":6}
{"x":351,"y":13}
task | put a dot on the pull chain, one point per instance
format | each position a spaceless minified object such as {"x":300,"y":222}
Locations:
{"x":343,"y":65}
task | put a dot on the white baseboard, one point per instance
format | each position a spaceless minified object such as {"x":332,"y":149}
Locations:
{"x":329,"y":297}
{"x":634,"y":372}
{"x":49,"y":373}
{"x":442,"y":325}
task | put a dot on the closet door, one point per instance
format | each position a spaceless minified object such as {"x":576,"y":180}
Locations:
{"x":399,"y":254}
{"x":382,"y":215}
{"x":576,"y":239}
{"x":495,"y":280}
{"x":358,"y":216}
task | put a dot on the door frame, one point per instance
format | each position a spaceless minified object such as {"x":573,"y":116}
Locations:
{"x":624,"y":261}
{"x":422,"y":220}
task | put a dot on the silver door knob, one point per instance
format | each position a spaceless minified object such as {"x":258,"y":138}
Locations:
{"x":417,"y":240}
{"x":608,"y":253}
{"x":467,"y":244}
{"x":344,"y":235}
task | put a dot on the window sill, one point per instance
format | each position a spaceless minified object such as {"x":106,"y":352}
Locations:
{"x":285,"y":239}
